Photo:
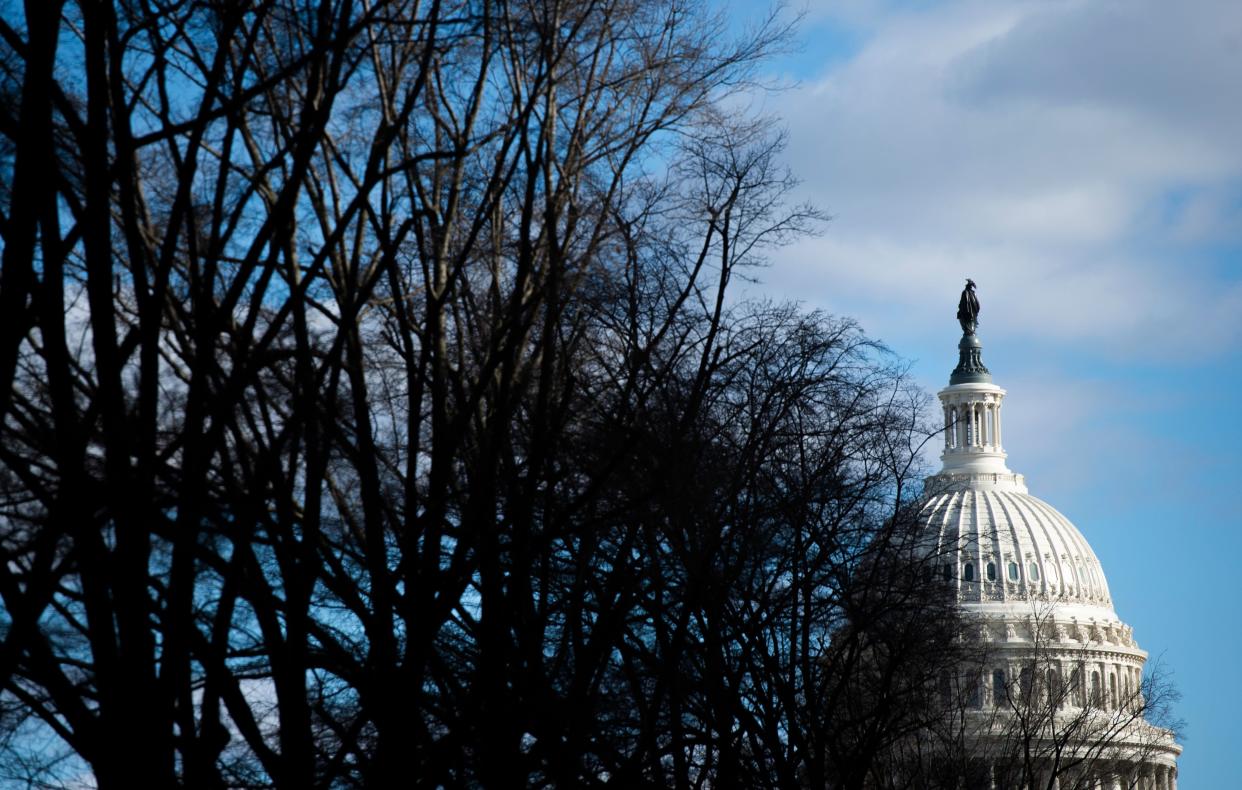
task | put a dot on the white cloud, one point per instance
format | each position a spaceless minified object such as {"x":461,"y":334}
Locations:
{"x":901,"y":287}
{"x":1069,"y":156}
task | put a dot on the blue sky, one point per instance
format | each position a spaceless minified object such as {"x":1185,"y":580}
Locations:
{"x":1082,"y":162}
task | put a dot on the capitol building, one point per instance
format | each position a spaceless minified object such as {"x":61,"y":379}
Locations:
{"x":1057,"y":697}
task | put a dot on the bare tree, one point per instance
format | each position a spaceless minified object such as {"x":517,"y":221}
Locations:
{"x":1045,"y":703}
{"x":1077,"y":707}
{"x":375,"y":402}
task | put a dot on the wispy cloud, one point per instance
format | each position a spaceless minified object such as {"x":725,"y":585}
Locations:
{"x":1079,"y":160}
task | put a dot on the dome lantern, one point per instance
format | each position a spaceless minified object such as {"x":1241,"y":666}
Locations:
{"x":972,"y":409}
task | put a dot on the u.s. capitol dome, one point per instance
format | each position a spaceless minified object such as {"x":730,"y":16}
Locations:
{"x":1058,"y":658}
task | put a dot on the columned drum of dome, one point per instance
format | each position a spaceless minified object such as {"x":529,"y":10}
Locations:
{"x":1036,"y":597}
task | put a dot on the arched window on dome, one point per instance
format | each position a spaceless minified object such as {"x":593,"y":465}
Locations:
{"x":968,"y":572}
{"x":1113,"y":699}
{"x":1034,"y":572}
{"x":948,"y":572}
{"x":991,"y":571}
{"x":1013,"y":571}
{"x":999,"y":689}
{"x":1097,"y":693}
{"x":1076,"y":687}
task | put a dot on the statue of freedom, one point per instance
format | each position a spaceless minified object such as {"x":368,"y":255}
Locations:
{"x":968,"y":309}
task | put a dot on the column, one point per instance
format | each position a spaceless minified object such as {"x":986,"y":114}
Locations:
{"x":948,"y":426}
{"x":998,"y":426}
{"x":1107,"y":692}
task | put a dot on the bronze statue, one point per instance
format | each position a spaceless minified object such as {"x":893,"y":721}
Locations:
{"x":968,"y":309}
{"x":970,"y":368}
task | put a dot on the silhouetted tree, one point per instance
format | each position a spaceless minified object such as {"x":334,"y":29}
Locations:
{"x":375,"y":403}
